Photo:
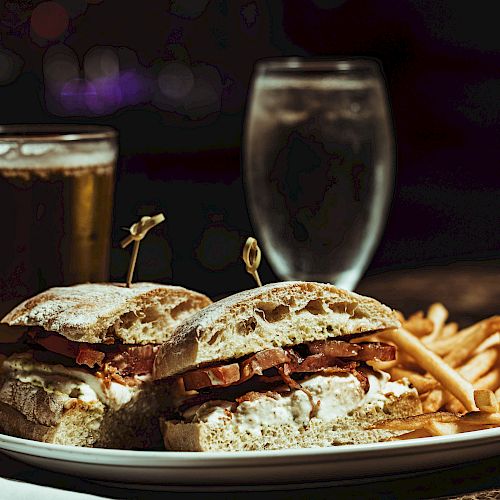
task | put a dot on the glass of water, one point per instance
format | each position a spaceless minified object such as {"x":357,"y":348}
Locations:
{"x":319,"y":165}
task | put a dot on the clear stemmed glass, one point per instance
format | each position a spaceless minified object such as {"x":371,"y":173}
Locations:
{"x":319,"y":165}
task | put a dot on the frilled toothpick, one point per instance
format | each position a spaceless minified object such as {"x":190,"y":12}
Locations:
{"x":137,"y":232}
{"x":251,"y":256}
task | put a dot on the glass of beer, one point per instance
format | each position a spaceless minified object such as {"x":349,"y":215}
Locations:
{"x":319,"y":165}
{"x":56,"y":200}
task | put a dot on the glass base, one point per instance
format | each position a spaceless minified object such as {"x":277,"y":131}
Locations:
{"x":346,"y":280}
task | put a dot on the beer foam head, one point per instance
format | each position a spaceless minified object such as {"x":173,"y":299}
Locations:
{"x":64,"y":155}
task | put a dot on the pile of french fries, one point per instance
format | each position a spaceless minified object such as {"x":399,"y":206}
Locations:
{"x":455,"y":371}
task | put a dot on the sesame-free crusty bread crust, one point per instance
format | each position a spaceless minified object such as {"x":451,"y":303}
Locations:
{"x":349,"y":429}
{"x":32,"y":412}
{"x":275,"y":315}
{"x":94,"y":312}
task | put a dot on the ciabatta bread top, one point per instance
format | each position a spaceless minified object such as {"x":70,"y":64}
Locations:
{"x":97,"y":312}
{"x":275,"y":315}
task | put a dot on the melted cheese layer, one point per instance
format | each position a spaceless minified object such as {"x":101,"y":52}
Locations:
{"x":74,"y":382}
{"x":338,"y":396}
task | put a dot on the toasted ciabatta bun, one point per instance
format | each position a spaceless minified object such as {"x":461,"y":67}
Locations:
{"x":353,"y":428}
{"x":30,"y":412}
{"x":275,"y":315}
{"x":55,"y":404}
{"x":145,"y":313}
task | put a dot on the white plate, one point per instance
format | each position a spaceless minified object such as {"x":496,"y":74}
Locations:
{"x":180,"y":471}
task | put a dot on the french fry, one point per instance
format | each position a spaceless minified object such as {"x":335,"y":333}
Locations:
{"x":440,"y":423}
{"x":421,"y":383}
{"x":454,"y":405}
{"x":417,"y":433}
{"x":475,"y":368}
{"x":383,"y":366}
{"x":429,"y":361}
{"x":446,"y":429}
{"x":492,"y":341}
{"x":452,"y":369}
{"x":449,"y":330}
{"x":416,"y":315}
{"x":442,"y":346}
{"x":416,"y":422}
{"x":419,"y":326}
{"x":442,"y":428}
{"x":400,"y":316}
{"x":486,"y":400}
{"x":471,"y":338}
{"x":473,"y":335}
{"x":424,"y":395}
{"x":435,"y":400}
{"x":489,"y":381}
{"x":479,"y":365}
{"x":438,"y":314}
{"x":481,"y":418}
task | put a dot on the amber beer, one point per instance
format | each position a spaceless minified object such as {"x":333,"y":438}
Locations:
{"x":56,"y":196}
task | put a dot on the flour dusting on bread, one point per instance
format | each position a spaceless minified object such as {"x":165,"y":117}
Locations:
{"x":95,"y":312}
{"x":275,"y":315}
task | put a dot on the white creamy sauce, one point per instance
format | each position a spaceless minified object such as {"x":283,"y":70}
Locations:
{"x":74,"y":382}
{"x":338,"y":395}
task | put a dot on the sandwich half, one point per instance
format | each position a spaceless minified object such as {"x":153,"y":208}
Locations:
{"x":281,"y":366}
{"x":81,"y":374}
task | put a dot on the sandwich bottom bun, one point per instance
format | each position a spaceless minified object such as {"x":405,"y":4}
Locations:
{"x":31,"y":411}
{"x":228,"y":433}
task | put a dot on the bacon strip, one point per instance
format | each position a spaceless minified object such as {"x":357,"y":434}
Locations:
{"x":208,"y":377}
{"x":57,"y":344}
{"x":325,"y":355}
{"x":364,"y":351}
{"x":89,"y":356}
{"x":133,"y":360}
{"x":126,"y":360}
{"x":378,"y":351}
{"x":224,"y":375}
{"x":333,"y":348}
{"x":263,"y":360}
{"x":314,"y":363}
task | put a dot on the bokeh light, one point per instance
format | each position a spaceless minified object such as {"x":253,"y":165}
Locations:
{"x":75,"y":94}
{"x":10,"y":66}
{"x":49,"y":20}
{"x":135,"y":87}
{"x":176,"y":81}
{"x":60,"y":65}
{"x":101,"y":62}
{"x":205,"y":96}
{"x":219,"y":247}
{"x":193,"y":91}
{"x":103,"y":96}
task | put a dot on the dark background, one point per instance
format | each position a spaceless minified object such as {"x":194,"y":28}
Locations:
{"x":180,"y":142}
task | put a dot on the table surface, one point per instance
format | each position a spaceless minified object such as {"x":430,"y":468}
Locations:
{"x":471,"y":291}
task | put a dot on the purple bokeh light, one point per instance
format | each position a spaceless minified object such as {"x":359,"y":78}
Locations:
{"x":106,"y":98}
{"x":74,"y":95}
